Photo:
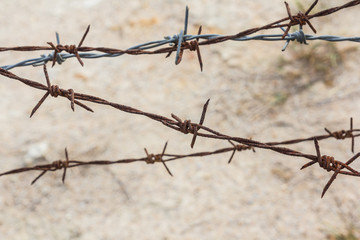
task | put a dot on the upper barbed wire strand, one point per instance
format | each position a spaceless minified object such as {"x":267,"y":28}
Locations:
{"x":174,"y":41}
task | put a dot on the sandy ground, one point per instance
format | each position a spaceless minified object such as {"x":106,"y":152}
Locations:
{"x":255,"y":89}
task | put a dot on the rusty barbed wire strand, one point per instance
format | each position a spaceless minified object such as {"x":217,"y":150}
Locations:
{"x":326,"y":162}
{"x":183,"y":41}
{"x":187,"y":126}
{"x":149,"y":159}
{"x":182,"y":126}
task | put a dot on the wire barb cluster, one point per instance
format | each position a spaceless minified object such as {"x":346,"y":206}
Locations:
{"x":188,"y":127}
{"x":239,"y":148}
{"x":340,"y":135}
{"x":153,"y":158}
{"x":72,"y":49}
{"x":55,"y":91}
{"x":183,"y":44}
{"x":179,"y":43}
{"x":299,"y":19}
{"x":54,"y":166}
{"x":330,"y":164}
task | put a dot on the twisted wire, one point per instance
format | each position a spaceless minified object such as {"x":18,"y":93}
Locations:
{"x":295,"y":36}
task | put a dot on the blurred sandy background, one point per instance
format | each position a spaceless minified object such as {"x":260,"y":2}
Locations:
{"x":255,"y":89}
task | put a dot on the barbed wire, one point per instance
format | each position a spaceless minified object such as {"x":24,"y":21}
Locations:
{"x":186,"y":127}
{"x":179,"y":43}
{"x":298,"y":36}
{"x":182,"y":41}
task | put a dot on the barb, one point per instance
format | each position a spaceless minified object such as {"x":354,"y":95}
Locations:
{"x":239,"y":148}
{"x":299,"y":36}
{"x":300,"y":18}
{"x":72,"y":49}
{"x":183,"y":41}
{"x":342,"y":134}
{"x":56,"y":165}
{"x":55,"y":91}
{"x":330,"y":164}
{"x":187,"y":127}
{"x":153,"y":158}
